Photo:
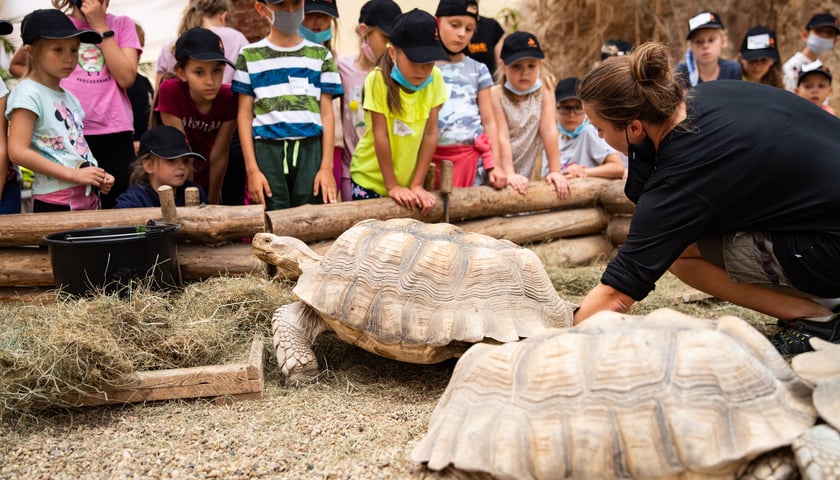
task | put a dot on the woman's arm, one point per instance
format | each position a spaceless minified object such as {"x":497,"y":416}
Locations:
{"x":324,"y":179}
{"x":497,"y":176}
{"x":218,"y":161}
{"x":17,"y":66}
{"x":603,"y":297}
{"x":258,"y":187}
{"x":426,"y":200}
{"x":122,"y":62}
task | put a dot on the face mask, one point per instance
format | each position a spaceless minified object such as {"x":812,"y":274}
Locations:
{"x":398,"y":77}
{"x":537,"y":85}
{"x":316,"y":37}
{"x":818,"y":44}
{"x":367,"y":51}
{"x":287,"y":22}
{"x":572,"y":134}
{"x":640,"y":162}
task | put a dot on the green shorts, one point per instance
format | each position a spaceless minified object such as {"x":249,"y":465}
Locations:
{"x":289,"y":167}
{"x":748,"y":258}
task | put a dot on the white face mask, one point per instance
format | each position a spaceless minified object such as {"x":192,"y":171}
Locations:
{"x":818,"y":44}
{"x":287,"y":22}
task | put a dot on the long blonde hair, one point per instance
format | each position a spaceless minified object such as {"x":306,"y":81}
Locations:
{"x":197,"y":10}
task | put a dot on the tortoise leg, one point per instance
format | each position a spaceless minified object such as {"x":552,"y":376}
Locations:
{"x":295,"y":327}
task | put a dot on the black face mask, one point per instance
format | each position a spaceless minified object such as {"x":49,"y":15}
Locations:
{"x":641,"y":158}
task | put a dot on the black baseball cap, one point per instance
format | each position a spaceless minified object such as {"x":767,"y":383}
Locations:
{"x":703,"y":20}
{"x":519,"y":45}
{"x":814,"y":68}
{"x":566,"y":89}
{"x":321,"y":6}
{"x":54,"y":25}
{"x":166,"y":142}
{"x":5,"y":27}
{"x":380,"y":14}
{"x":615,"y":48}
{"x":823,"y":20}
{"x":201,"y":44}
{"x":416,"y":34}
{"x":456,"y":8}
{"x":760,"y":42}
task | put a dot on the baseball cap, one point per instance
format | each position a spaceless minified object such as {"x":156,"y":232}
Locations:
{"x":201,"y":44}
{"x":615,"y":48}
{"x":760,"y":42}
{"x":54,"y":25}
{"x":165,"y":142}
{"x":813,"y":68}
{"x":823,"y":20}
{"x":380,"y":14}
{"x":416,"y":34}
{"x":5,"y":27}
{"x":566,"y":89}
{"x":455,"y":8}
{"x":703,"y":20}
{"x":321,"y":6}
{"x":519,"y":45}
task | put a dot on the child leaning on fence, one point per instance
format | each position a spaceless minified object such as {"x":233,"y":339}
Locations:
{"x":286,"y":121}
{"x":46,"y":121}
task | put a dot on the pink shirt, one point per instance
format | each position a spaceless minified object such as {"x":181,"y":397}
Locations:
{"x":232,"y":39}
{"x":106,"y":105}
{"x":201,"y":129}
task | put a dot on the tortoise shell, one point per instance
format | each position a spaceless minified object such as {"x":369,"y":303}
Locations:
{"x":412,"y":291}
{"x":660,"y":396}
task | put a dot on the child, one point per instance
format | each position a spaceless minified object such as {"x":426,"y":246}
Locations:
{"x":212,"y":15}
{"x":140,"y":95}
{"x":164,"y":158}
{"x":759,"y":57}
{"x":99,"y":81}
{"x":45,"y":120}
{"x":815,"y":85}
{"x":820,"y":36}
{"x":403,"y":96}
{"x":320,"y":16}
{"x":487,"y":42}
{"x":582,"y":152}
{"x":200,"y":105}
{"x":286,"y":122}
{"x":706,"y":38}
{"x":524,"y":108}
{"x":376,"y":18}
{"x":466,"y":124}
{"x":9,"y":173}
{"x":615,"y":48}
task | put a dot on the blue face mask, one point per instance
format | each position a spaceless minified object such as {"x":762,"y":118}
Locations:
{"x":572,"y":134}
{"x":537,"y":85}
{"x":316,"y":37}
{"x":398,"y":77}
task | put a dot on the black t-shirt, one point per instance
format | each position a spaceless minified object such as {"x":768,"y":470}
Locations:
{"x":140,"y":95}
{"x":483,"y":44}
{"x":749,"y":157}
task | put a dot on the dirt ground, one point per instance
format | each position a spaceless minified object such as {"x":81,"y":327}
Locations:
{"x":360,"y":420}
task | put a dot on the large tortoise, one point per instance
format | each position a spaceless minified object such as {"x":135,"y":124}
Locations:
{"x":408,"y":291}
{"x":618,"y":396}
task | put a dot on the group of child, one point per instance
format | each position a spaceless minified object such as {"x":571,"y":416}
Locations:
{"x":300,"y":126}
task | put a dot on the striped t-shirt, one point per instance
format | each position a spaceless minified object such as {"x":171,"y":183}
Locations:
{"x":286,"y":84}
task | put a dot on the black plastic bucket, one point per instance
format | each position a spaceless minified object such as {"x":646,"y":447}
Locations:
{"x":111,"y":259}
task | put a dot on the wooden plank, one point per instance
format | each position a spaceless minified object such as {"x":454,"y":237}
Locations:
{"x":207,"y":381}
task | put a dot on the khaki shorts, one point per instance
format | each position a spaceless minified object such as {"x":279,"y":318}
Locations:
{"x":748,"y":258}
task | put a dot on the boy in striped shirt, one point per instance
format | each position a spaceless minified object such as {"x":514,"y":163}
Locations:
{"x":286,"y":121}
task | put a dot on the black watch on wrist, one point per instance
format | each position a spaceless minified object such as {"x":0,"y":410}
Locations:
{"x":107,"y":34}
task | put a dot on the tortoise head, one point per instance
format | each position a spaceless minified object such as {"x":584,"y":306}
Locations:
{"x":290,"y":255}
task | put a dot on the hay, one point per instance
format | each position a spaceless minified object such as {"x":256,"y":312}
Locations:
{"x":53,"y":347}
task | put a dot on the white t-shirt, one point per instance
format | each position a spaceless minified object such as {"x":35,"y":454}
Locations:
{"x":587,"y":150}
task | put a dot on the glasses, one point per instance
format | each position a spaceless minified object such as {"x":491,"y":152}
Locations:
{"x":568,"y":110}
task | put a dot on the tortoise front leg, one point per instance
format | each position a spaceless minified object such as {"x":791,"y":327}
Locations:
{"x":295,"y":327}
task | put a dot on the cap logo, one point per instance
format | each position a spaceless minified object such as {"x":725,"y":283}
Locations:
{"x":532,"y":43}
{"x":817,"y":65}
{"x":760,"y":42}
{"x":221,"y":46}
{"x":700,"y":19}
{"x":472,"y":9}
{"x":437,"y":35}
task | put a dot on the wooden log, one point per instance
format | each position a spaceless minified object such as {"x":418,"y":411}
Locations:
{"x":540,"y":227}
{"x":31,"y":267}
{"x":614,"y":200}
{"x":618,"y":228}
{"x":205,"y":224}
{"x":319,"y":222}
{"x":570,"y":252}
{"x":246,"y":379}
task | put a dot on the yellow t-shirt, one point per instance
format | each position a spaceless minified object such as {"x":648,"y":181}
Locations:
{"x":405,"y":132}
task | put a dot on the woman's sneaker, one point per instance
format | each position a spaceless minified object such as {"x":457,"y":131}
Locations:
{"x":794,"y":338}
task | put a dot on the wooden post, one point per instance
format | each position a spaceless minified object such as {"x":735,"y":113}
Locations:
{"x":167,"y":204}
{"x":429,"y":181}
{"x":191,"y":197}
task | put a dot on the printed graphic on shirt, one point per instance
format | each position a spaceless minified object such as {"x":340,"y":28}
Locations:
{"x":74,"y":130}
{"x":91,"y":58}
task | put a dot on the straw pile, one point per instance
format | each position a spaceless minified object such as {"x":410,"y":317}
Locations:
{"x":54,"y":347}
